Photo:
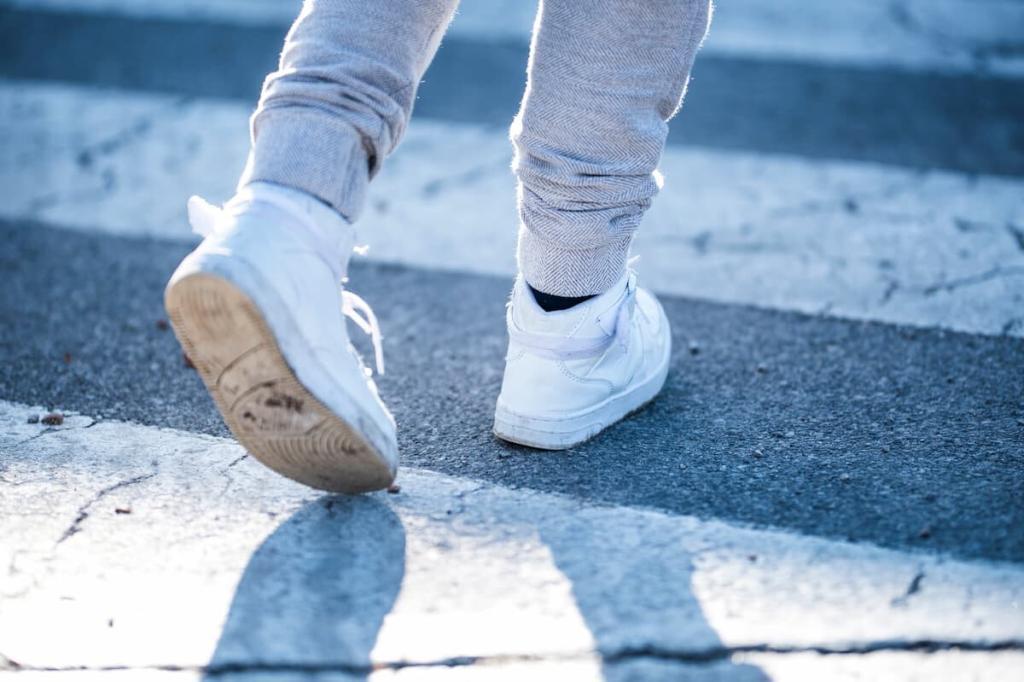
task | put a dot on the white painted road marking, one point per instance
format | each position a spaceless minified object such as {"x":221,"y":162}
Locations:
{"x":138,"y":546}
{"x":930,"y":35}
{"x":852,"y":239}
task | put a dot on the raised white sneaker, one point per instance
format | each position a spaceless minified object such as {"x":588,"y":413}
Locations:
{"x":259,"y":311}
{"x":570,"y":374}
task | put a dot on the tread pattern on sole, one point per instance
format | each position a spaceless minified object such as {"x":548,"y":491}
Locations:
{"x":262,"y":401}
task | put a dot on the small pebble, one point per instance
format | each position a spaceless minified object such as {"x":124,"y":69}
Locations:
{"x":844,"y":477}
{"x":925,"y":533}
{"x":758,"y":454}
{"x":694,"y":348}
{"x":790,"y":434}
{"x":762,"y":368}
{"x":162,"y":325}
{"x":394,"y":489}
{"x":53,"y":419}
{"x":33,"y":419}
{"x":122,"y":510}
{"x":886,"y":448}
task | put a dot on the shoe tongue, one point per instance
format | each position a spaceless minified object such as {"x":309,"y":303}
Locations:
{"x":592,"y":318}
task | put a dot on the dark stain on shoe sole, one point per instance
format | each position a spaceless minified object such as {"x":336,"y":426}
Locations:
{"x":288,"y":402}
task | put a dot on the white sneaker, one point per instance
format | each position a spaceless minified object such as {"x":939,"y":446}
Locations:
{"x":259,"y":311}
{"x":570,"y":374}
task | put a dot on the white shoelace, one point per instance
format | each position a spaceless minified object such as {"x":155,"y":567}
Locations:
{"x":557,"y":347}
{"x":206,"y":219}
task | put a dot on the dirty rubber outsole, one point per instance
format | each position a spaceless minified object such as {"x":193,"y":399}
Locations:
{"x":267,"y":409}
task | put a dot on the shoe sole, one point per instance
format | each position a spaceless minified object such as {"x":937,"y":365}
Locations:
{"x":269,"y":411}
{"x":562,"y":432}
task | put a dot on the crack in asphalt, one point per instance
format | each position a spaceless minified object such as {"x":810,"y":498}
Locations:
{"x":236,"y":460}
{"x":229,"y":480}
{"x":697,"y":656}
{"x":83,"y":511}
{"x":36,"y":436}
{"x":890,"y":289}
{"x":950,"y":285}
{"x":1017,"y":233}
{"x":54,"y":429}
{"x":913,"y":588}
{"x":852,"y":203}
{"x":982,"y":54}
{"x":712,"y":654}
{"x":89,"y":154}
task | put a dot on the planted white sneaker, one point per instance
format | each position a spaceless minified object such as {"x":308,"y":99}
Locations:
{"x":259,"y":311}
{"x":570,"y":374}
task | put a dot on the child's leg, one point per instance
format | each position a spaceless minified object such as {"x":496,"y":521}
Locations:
{"x":587,"y":346}
{"x":257,"y":306}
{"x":605,"y":76}
{"x":341,"y":99}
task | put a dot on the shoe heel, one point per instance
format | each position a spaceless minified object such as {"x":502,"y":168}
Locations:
{"x":264,"y":405}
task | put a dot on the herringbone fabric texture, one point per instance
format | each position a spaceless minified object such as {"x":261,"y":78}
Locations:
{"x":604,"y":78}
{"x":341,"y":98}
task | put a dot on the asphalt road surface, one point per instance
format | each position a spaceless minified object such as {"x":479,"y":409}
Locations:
{"x":831,"y":485}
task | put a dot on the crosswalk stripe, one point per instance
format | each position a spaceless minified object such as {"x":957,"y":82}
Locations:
{"x":139,"y":546}
{"x":960,"y":122}
{"x":842,"y":238}
{"x":937,"y":35}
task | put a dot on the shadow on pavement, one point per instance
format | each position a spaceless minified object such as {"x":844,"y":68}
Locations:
{"x":316,"y":590}
{"x":314,"y":595}
{"x":637,"y":599}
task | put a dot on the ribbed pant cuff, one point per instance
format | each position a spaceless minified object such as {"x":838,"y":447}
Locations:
{"x":312,"y":151}
{"x":571,"y":272}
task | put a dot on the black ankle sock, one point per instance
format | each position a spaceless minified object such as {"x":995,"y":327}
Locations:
{"x":550,"y":303}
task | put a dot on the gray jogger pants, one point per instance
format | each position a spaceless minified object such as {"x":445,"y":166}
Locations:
{"x":604,"y":78}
